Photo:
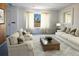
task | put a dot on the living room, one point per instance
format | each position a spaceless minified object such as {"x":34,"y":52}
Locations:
{"x":40,"y":29}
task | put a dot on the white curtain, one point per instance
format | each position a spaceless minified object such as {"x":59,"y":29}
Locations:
{"x":29,"y":20}
{"x":45,"y":20}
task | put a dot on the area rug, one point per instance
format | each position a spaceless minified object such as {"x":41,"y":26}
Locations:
{"x":65,"y":50}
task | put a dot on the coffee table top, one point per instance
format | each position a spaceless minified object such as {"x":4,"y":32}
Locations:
{"x":53,"y":42}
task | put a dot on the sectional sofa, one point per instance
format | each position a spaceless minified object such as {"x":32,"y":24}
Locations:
{"x":70,"y":36}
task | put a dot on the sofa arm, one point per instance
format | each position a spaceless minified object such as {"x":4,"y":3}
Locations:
{"x":27,"y":45}
{"x":20,"y":49}
{"x":18,"y":45}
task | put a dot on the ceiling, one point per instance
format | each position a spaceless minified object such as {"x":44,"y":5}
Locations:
{"x":46,"y":6}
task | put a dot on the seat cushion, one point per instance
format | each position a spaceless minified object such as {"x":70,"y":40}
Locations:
{"x":74,"y":40}
{"x":64,"y":35}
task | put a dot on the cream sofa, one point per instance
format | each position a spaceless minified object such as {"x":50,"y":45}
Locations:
{"x":68,"y":38}
{"x":23,"y":49}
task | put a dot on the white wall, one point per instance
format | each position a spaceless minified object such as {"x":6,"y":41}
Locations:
{"x":11,"y":17}
{"x":75,"y":7}
{"x":53,"y":21}
{"x":21,"y":21}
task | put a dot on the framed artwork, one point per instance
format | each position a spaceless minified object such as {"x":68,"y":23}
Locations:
{"x":68,"y":17}
{"x":37,"y":20}
{"x":2,"y":17}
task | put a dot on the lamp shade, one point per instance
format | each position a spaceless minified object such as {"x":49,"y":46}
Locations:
{"x":58,"y":24}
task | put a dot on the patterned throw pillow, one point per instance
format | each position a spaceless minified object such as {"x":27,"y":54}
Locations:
{"x":19,"y":40}
{"x":22,"y":37}
{"x":72,"y":31}
{"x":13,"y":41}
{"x":67,"y":30}
{"x":13,"y":38}
{"x":77,"y":32}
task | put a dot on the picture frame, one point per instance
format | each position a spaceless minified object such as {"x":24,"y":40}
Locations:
{"x":37,"y":20}
{"x":2,"y":16}
{"x":69,"y":16}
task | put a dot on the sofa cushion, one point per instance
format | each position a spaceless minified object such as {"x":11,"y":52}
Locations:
{"x":77,"y":32}
{"x":74,"y":40}
{"x":22,"y":37}
{"x":29,"y":44}
{"x":24,"y":32}
{"x":72,"y":31}
{"x":13,"y":40}
{"x":28,"y":37}
{"x":67,"y":30}
{"x":20,"y":40}
{"x":16,"y":34}
{"x":64,"y":35}
{"x":64,"y":29}
{"x":20,"y":33}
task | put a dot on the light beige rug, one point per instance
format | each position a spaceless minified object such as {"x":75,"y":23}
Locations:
{"x":65,"y":50}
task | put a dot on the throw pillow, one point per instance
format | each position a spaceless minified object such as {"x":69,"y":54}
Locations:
{"x":16,"y":34}
{"x":67,"y":30}
{"x":20,"y":33}
{"x":13,"y":40}
{"x":72,"y":31}
{"x":77,"y":33}
{"x":23,"y":33}
{"x":28,"y":37}
{"x":22,"y":37}
{"x":64,"y":29}
{"x":19,"y":40}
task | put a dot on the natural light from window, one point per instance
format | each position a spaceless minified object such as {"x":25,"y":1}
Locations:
{"x":44,"y":20}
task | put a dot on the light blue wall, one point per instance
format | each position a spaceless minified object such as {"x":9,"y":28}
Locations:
{"x":15,"y":14}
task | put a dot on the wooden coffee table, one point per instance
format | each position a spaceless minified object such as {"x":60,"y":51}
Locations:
{"x":53,"y":45}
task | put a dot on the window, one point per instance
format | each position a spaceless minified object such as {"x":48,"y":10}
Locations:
{"x":37,"y":20}
{"x":41,"y":20}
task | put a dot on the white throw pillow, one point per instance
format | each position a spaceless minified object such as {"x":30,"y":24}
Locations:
{"x":25,"y":31}
{"x":16,"y":34}
{"x":13,"y":40}
{"x":28,"y":37}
